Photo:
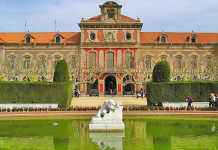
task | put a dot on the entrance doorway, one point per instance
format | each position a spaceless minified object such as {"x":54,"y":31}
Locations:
{"x":110,"y":83}
{"x":129,"y":88}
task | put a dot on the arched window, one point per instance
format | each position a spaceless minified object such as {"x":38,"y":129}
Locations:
{"x":163,"y":39}
{"x":27,"y":39}
{"x":58,"y":39}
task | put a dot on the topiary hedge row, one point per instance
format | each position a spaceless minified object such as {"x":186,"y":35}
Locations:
{"x":177,"y":91}
{"x":36,"y":92}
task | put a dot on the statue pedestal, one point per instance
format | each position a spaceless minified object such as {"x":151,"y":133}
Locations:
{"x":106,"y":127}
{"x":108,"y":140}
{"x":111,"y":120}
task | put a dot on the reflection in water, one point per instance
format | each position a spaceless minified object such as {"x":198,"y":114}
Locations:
{"x":152,"y":134}
{"x":107,"y":139}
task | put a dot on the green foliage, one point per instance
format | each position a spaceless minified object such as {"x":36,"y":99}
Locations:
{"x":61,"y":73}
{"x":161,"y":72}
{"x":187,"y":79}
{"x":2,"y":78}
{"x":32,"y":78}
{"x":150,"y":80}
{"x":36,"y":92}
{"x":177,"y":91}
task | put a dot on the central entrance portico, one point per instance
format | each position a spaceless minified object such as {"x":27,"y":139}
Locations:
{"x":110,"y":83}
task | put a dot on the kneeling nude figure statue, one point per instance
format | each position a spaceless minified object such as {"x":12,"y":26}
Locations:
{"x":109,"y":106}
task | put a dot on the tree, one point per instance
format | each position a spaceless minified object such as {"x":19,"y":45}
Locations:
{"x":61,"y":73}
{"x":161,"y":72}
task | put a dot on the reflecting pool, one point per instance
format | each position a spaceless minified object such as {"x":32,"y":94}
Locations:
{"x":141,"y":132}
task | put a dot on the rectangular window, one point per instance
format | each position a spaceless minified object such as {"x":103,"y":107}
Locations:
{"x":129,"y":60}
{"x":148,"y":62}
{"x":12,"y":58}
{"x":92,"y":59}
{"x":208,"y":62}
{"x":178,"y":62}
{"x":42,"y":61}
{"x":26,"y":62}
{"x":163,"y":58}
{"x":194,"y":62}
{"x":57,"y":58}
{"x":72,"y":62}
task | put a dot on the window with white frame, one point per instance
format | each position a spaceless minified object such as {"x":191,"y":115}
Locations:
{"x":179,"y":62}
{"x":58,"y":39}
{"x":92,"y":59}
{"x":194,"y":61}
{"x":193,"y":39}
{"x":26,"y":62}
{"x":12,"y":61}
{"x":208,"y":62}
{"x":57,"y":58}
{"x":163,"y":58}
{"x":147,"y":60}
{"x":72,"y":61}
{"x":163,"y":39}
{"x":129,"y":60}
{"x":27,"y":39}
{"x":42,"y":61}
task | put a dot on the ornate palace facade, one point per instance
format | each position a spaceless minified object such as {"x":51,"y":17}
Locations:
{"x":111,"y":50}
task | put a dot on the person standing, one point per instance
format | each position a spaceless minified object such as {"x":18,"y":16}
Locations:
{"x":211,"y":99}
{"x":111,"y":93}
{"x":189,"y":101}
{"x":142,"y":92}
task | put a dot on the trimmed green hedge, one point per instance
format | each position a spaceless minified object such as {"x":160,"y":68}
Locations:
{"x":61,"y":73}
{"x":161,"y":72}
{"x":36,"y":92}
{"x":177,"y":91}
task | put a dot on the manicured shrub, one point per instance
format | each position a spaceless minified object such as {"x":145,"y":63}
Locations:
{"x":161,"y":72}
{"x":177,"y":91}
{"x":61,"y":73}
{"x":36,"y":92}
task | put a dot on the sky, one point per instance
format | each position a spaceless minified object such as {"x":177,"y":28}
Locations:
{"x":156,"y":15}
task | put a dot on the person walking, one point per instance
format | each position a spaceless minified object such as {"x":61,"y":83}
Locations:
{"x":189,"y":101}
{"x":142,"y":92}
{"x":111,"y":93}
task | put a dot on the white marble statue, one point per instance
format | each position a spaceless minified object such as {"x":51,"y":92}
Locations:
{"x":108,"y":118}
{"x":109,"y":106}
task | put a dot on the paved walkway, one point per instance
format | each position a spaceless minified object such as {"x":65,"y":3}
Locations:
{"x":5,"y":115}
{"x":178,"y":104}
{"x":99,"y":101}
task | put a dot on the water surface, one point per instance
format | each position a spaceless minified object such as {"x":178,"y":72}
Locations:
{"x":152,"y":133}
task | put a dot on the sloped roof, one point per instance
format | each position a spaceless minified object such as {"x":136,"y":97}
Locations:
{"x":46,"y":37}
{"x":178,"y":37}
{"x":122,"y":17}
